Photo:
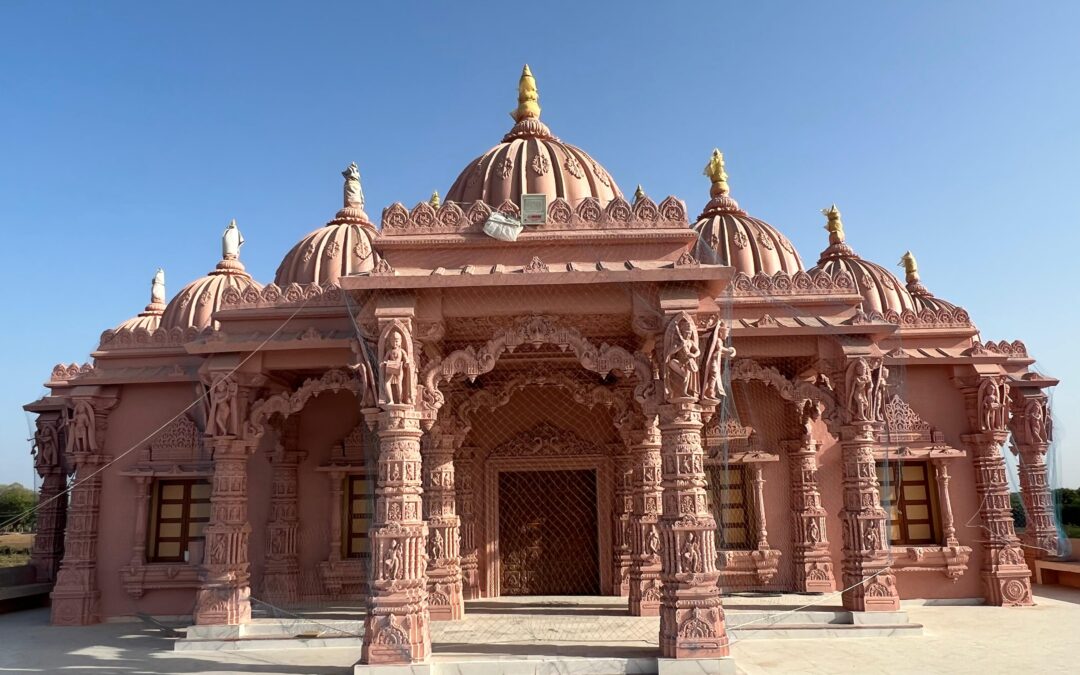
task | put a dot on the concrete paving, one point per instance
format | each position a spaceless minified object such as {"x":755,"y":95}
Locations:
{"x":965,"y":639}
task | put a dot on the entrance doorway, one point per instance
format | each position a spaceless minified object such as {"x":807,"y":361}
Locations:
{"x":548,"y":537}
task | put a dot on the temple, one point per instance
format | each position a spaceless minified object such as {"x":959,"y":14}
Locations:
{"x":617,"y":399}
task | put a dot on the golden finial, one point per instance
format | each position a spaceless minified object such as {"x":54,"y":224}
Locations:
{"x":834,"y":226}
{"x":434,"y":201}
{"x":528,"y":97}
{"x":715,"y":171}
{"x":911,"y":267}
{"x":639,"y":194}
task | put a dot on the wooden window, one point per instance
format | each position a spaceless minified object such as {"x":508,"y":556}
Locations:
{"x":359,"y":507}
{"x":181,"y":510}
{"x":907,"y":496}
{"x":729,"y":502}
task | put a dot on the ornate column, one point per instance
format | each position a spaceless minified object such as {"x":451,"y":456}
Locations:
{"x":810,"y":549}
{"x":337,"y":507}
{"x":397,"y":629}
{"x":1032,"y":433}
{"x":621,"y":515}
{"x":224,"y":598}
{"x":52,"y":499}
{"x":141,"y":519}
{"x":282,"y":576}
{"x":75,"y":596}
{"x":446,"y":599}
{"x":644,"y":519}
{"x":691,"y":615}
{"x":867,"y":577}
{"x":464,"y":467}
{"x":1006,"y":576}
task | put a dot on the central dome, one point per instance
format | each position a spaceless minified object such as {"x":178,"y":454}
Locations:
{"x":531,"y":160}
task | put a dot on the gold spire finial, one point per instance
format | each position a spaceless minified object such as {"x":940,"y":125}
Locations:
{"x":434,"y":201}
{"x":911,"y":267}
{"x":715,"y":171}
{"x":834,"y":226}
{"x":528,"y":97}
{"x":639,"y":193}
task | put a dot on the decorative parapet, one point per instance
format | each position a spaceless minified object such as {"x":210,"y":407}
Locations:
{"x":272,"y":295}
{"x":956,"y":317}
{"x":453,"y":218}
{"x":63,"y":372}
{"x":814,"y":282}
{"x":1016,"y":348}
{"x":127,"y":338}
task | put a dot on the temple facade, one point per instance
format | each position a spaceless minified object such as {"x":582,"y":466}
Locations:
{"x":622,"y":400}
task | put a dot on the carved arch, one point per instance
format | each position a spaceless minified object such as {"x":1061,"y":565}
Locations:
{"x":794,"y":391}
{"x":288,"y":403}
{"x":471,"y":362}
{"x":585,"y":393}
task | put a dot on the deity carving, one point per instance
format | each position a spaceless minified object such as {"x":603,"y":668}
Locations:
{"x":681,"y":354}
{"x":46,"y":449}
{"x":993,"y":408}
{"x":718,"y":351}
{"x":391,"y":561}
{"x":810,"y":413}
{"x":81,"y":432}
{"x":354,"y":194}
{"x":1038,"y":422}
{"x":223,"y":419}
{"x":813,"y":531}
{"x":652,"y":544}
{"x":690,"y":555}
{"x":866,"y":390}
{"x":437,"y":545}
{"x":396,"y":373}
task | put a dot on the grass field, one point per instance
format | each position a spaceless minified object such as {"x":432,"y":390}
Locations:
{"x":15,"y":549}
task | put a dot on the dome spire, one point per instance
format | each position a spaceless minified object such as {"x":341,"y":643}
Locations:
{"x":354,"y":194}
{"x":231,"y":241}
{"x":157,"y":288}
{"x":639,"y":193}
{"x":528,"y":97}
{"x":716,"y":173}
{"x":834,"y":225}
{"x":911,"y":267}
{"x":434,"y":202}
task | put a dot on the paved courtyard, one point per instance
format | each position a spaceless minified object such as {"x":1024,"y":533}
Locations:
{"x":956,"y":639}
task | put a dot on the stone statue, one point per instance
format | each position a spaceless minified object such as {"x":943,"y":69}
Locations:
{"x":681,"y":354}
{"x":157,"y":287}
{"x":395,"y":371}
{"x":437,"y":545}
{"x":1036,"y":422}
{"x":354,"y":194}
{"x":911,"y":267}
{"x":222,"y":396}
{"x":691,"y":556}
{"x":46,"y":446}
{"x":834,"y":226}
{"x":810,"y":413}
{"x":718,"y":351}
{"x":391,"y":561}
{"x":652,"y":544}
{"x":716,"y":173}
{"x":880,"y":384}
{"x":814,"y":531}
{"x":860,"y":386}
{"x":81,"y":432}
{"x":231,"y":241}
{"x":993,"y":413}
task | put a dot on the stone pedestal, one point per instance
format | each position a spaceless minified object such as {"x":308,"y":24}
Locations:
{"x":644,"y":574}
{"x":810,"y":544}
{"x":445,"y":596}
{"x":870,"y":585}
{"x":691,"y":615}
{"x":396,"y":630}
{"x":75,"y":596}
{"x":225,"y":595}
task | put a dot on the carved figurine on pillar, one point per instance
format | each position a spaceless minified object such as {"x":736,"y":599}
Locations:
{"x":52,"y":500}
{"x":446,"y":599}
{"x":1006,"y":576}
{"x":813,"y":563}
{"x":397,"y":626}
{"x":225,"y":596}
{"x":464,"y":465}
{"x":867,"y":575}
{"x":644,"y":440}
{"x":282,"y":575}
{"x":691,"y":615}
{"x":1031,"y":435}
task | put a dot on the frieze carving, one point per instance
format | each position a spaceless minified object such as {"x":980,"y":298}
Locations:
{"x":547,"y":440}
{"x":450,"y":218}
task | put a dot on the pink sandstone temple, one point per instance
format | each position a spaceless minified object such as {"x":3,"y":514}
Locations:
{"x":622,"y":400}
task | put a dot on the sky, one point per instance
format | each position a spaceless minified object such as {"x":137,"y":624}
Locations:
{"x":130,"y":133}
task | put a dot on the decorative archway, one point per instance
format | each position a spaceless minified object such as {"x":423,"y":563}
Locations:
{"x":288,"y":403}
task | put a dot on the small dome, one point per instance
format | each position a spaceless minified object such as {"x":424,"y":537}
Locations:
{"x":150,"y":318}
{"x":194,"y":306}
{"x":728,"y":236}
{"x":531,"y":160}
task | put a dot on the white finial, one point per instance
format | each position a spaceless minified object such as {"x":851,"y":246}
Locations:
{"x":157,"y":287}
{"x":354,"y":194}
{"x":231,"y":242}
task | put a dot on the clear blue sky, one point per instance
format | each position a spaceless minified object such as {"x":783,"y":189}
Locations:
{"x":130,"y":133}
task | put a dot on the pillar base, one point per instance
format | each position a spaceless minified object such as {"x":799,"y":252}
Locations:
{"x":226,"y":605}
{"x":74,"y":608}
{"x":446,"y":600}
{"x":644,"y":596}
{"x":396,"y":641}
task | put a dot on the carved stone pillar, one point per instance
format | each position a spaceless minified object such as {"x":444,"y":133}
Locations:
{"x":810,"y":550}
{"x":1031,"y":436}
{"x":464,"y":467}
{"x":282,"y":576}
{"x":141,"y":519}
{"x":337,"y":507}
{"x":948,"y":527}
{"x":644,"y":519}
{"x":623,"y":530}
{"x":225,"y":595}
{"x":51,"y":517}
{"x":870,"y":583}
{"x":446,"y":599}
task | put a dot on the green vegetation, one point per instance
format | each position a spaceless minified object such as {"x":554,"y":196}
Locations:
{"x":1066,"y":500}
{"x":14,"y":501}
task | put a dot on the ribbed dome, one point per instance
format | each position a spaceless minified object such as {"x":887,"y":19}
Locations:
{"x":194,"y":306}
{"x":531,"y":160}
{"x":340,"y":248}
{"x":728,"y":236}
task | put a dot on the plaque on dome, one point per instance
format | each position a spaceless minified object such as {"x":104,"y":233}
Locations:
{"x":533,"y":209}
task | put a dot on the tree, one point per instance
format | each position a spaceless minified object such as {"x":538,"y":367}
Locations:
{"x":14,"y":501}
{"x":1019,"y":517}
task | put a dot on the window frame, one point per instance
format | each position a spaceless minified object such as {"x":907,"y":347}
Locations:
{"x":351,"y":497}
{"x":723,"y":525}
{"x":185,"y":521}
{"x":898,"y":484}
